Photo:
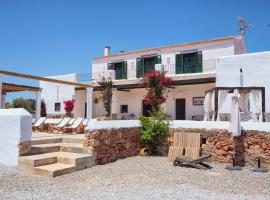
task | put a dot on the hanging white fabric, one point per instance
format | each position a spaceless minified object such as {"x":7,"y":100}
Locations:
{"x":256,"y":96}
{"x":213,"y":105}
{"x":222,"y":95}
{"x":207,"y":106}
{"x":235,"y":126}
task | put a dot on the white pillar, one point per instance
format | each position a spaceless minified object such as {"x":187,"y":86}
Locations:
{"x":1,"y":88}
{"x":38,"y":105}
{"x":114,"y":104}
{"x":89,"y":100}
{"x":3,"y":101}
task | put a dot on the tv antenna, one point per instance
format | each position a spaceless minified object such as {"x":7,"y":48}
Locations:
{"x":243,"y":26}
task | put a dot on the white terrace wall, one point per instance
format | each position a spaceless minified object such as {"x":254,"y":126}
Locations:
{"x":57,"y":93}
{"x":134,"y":99}
{"x":256,"y":72}
{"x":15,"y":134}
{"x":210,"y":52}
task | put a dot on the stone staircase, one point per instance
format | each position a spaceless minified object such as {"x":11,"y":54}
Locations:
{"x":56,"y":156}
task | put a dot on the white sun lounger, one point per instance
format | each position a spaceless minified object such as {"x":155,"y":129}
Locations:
{"x":39,"y":123}
{"x":61,"y":126}
{"x":75,"y":126}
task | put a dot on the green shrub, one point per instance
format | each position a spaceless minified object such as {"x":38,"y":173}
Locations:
{"x":154,"y":130}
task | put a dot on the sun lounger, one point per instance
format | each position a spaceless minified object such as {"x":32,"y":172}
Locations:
{"x":85,"y":122}
{"x":39,"y":123}
{"x":196,"y":163}
{"x":76,"y":127}
{"x":71,"y":121}
{"x":60,"y":127}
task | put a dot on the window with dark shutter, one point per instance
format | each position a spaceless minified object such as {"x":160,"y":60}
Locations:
{"x":179,"y":64}
{"x":139,"y":67}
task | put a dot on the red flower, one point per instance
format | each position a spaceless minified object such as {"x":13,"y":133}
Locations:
{"x":69,"y":105}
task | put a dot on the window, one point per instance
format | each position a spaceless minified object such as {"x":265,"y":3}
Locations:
{"x":120,"y":69}
{"x":57,"y":107}
{"x":124,"y":108}
{"x":188,"y":63}
{"x":146,"y":64}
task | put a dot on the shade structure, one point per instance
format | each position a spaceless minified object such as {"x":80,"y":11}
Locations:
{"x":235,"y":126}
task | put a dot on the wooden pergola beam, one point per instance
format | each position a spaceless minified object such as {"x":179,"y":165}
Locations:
{"x":39,"y":78}
{"x":8,"y":87}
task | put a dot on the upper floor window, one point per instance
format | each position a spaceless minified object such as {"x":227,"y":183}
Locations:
{"x":146,"y":64}
{"x":120,"y":69}
{"x":188,"y":63}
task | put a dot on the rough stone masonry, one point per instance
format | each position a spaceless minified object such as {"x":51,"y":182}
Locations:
{"x":109,"y":145}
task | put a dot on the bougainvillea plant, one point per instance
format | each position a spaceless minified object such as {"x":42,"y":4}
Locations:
{"x":156,"y":84}
{"x":69,"y":105}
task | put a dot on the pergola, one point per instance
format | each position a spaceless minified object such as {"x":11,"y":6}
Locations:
{"x":8,"y":87}
{"x":216,"y":96}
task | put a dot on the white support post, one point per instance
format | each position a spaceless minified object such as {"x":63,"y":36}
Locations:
{"x":3,"y":101}
{"x":89,"y":100}
{"x":38,"y":105}
{"x":1,"y":88}
{"x":114,"y":104}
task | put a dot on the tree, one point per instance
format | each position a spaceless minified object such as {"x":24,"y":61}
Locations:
{"x":43,"y":109}
{"x":27,"y":104}
{"x":156,"y":84}
{"x":106,"y":95}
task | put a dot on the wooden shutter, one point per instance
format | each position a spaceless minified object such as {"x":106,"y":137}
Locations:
{"x":110,"y":66}
{"x":124,"y":70}
{"x":199,"y":61}
{"x":158,"y":59}
{"x":139,"y":67}
{"x":179,"y":64}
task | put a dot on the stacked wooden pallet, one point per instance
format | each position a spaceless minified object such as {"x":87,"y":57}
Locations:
{"x":188,"y":144}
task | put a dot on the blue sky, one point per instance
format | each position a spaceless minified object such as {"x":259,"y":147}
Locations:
{"x":57,"y":37}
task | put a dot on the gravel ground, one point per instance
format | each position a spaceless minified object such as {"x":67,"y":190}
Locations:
{"x":137,"y":178}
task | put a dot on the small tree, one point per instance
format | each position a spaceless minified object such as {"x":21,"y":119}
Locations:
{"x":69,"y":105}
{"x":27,"y":104}
{"x":156,"y":84}
{"x":154,"y":131}
{"x":43,"y":109}
{"x":106,"y":95}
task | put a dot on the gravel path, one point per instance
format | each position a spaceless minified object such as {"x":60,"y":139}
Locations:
{"x":137,"y":178}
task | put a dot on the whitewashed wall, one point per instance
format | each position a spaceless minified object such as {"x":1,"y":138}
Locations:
{"x":256,"y":72}
{"x":53,"y":92}
{"x":79,"y":106}
{"x":15,"y":128}
{"x":210,"y":52}
{"x":134,"y":99}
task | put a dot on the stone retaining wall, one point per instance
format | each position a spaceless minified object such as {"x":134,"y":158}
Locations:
{"x":219,"y":144}
{"x":109,"y":145}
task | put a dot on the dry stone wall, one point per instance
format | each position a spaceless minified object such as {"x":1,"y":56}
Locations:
{"x":109,"y":145}
{"x":249,"y":146}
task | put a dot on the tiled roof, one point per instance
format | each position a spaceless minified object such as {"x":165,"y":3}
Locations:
{"x":221,"y":39}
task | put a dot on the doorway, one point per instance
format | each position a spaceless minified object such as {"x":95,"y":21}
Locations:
{"x":180,"y":109}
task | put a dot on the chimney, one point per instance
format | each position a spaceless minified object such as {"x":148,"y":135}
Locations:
{"x":107,"y":51}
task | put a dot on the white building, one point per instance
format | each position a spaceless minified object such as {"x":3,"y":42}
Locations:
{"x":192,"y":67}
{"x":250,"y":72}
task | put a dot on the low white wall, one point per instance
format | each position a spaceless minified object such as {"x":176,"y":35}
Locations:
{"x":257,"y":126}
{"x":94,"y":124}
{"x":15,"y":128}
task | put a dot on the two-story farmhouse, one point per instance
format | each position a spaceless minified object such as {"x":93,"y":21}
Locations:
{"x":192,"y":67}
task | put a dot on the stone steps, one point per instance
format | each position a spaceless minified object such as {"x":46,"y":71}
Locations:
{"x":56,"y":156}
